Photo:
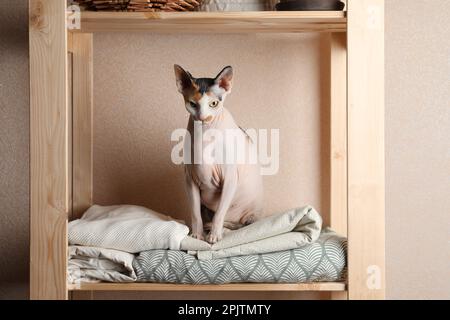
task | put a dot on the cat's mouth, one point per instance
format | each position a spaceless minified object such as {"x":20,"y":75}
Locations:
{"x":206,"y":120}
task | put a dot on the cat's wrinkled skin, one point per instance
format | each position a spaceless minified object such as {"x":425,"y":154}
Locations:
{"x":233,"y":192}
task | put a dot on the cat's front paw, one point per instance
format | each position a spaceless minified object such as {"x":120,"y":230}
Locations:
{"x":198,"y":235}
{"x":214,"y":236}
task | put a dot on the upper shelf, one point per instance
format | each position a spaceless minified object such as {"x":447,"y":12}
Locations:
{"x":215,"y":22}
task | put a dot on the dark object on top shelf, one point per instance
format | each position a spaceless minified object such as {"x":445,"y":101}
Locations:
{"x":139,"y":5}
{"x":310,"y":5}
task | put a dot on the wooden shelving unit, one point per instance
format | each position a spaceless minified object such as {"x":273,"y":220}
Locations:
{"x":61,"y":122}
{"x":215,"y":22}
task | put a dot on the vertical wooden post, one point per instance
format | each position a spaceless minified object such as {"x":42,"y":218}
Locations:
{"x":49,"y":149}
{"x":82,"y":138}
{"x":82,"y":134}
{"x":338,"y":139}
{"x":366,"y":261}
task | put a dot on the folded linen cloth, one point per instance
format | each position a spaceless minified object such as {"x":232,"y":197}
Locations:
{"x":127,"y":228}
{"x":134,"y":229}
{"x":288,"y":230}
{"x":92,"y":264}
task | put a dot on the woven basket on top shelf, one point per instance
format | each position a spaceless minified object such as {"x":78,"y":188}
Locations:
{"x":140,"y":5}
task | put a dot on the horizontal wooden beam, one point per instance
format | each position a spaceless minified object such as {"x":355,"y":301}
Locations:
{"x":215,"y":22}
{"x":316,"y":286}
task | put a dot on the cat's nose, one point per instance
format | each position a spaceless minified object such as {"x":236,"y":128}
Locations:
{"x":205,"y":118}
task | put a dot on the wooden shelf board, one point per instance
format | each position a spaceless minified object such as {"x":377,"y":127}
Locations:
{"x":317,"y":286}
{"x":215,"y":22}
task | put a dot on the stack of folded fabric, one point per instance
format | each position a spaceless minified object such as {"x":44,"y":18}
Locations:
{"x":132,"y":243}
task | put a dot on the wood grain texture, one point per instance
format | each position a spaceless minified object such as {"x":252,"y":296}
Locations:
{"x":69,"y":42}
{"x":70,"y":121}
{"x":338,"y":130}
{"x":82,"y":137}
{"x":214,"y":22}
{"x":319,"y":286}
{"x":49,"y":185}
{"x":366,"y":262}
{"x":338,"y":139}
{"x":338,"y":295}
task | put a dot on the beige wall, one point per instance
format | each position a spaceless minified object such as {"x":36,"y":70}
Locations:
{"x":137,"y":106}
{"x":139,"y":115}
{"x":14,"y":142}
{"x":418,"y":149}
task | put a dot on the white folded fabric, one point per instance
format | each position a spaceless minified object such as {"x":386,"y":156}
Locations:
{"x":288,"y":230}
{"x":92,"y":264}
{"x":127,"y":228}
{"x":134,"y":229}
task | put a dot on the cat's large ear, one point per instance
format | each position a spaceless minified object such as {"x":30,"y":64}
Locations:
{"x":184,"y":79}
{"x":225,"y":78}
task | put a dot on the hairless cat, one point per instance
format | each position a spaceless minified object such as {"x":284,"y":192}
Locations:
{"x":229,"y":193}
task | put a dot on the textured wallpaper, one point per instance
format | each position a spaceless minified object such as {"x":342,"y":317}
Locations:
{"x":14,"y":146}
{"x":137,"y":106}
{"x":418,"y":149}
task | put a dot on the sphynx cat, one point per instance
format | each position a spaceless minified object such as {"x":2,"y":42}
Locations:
{"x":228,"y":193}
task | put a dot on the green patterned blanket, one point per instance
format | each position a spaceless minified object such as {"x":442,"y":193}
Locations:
{"x":323,"y":260}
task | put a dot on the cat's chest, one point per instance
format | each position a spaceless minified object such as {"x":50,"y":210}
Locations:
{"x":207,"y":176}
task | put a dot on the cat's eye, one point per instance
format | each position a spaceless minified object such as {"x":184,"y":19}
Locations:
{"x":214,"y":103}
{"x":193,"y":104}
